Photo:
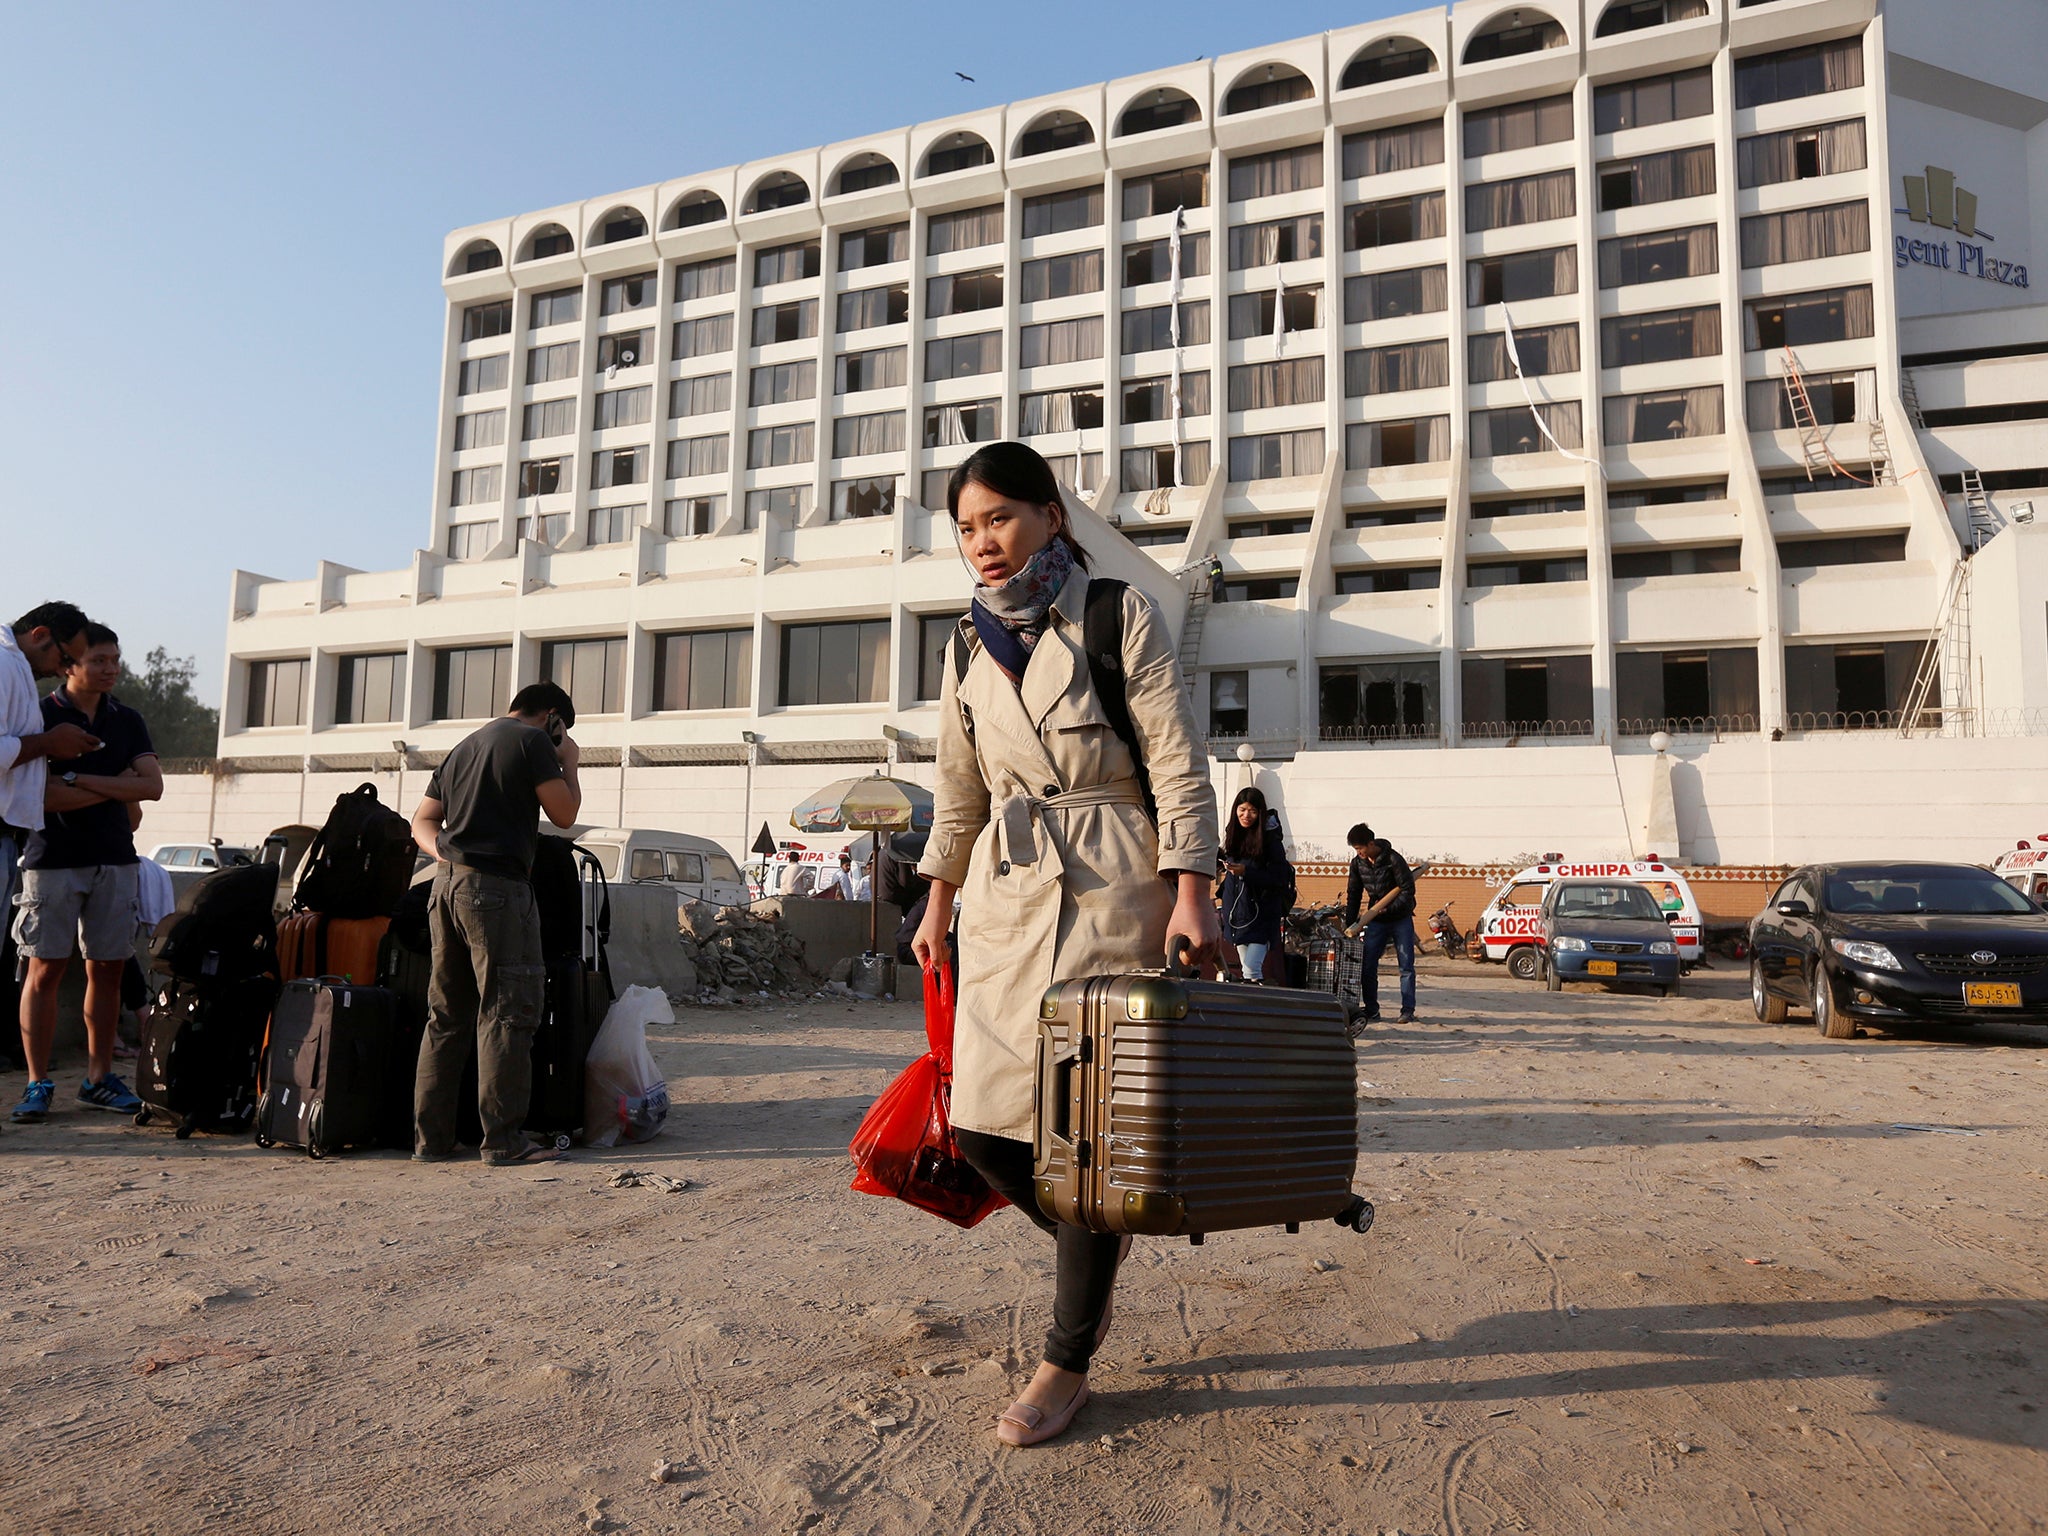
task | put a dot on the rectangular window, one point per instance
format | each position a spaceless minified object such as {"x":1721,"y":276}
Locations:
{"x":794,"y":321}
{"x":1389,"y":370}
{"x":471,"y":541}
{"x":623,"y":294}
{"x":1276,"y":455}
{"x":875,"y":247}
{"x":1261,"y":589}
{"x":544,"y":365}
{"x":874,"y":496}
{"x":623,"y":349}
{"x":624,"y":407}
{"x":277,"y":693}
{"x":1272,"y":527}
{"x":966,"y":230}
{"x":689,"y":517}
{"x":962,"y":357}
{"x":1663,"y":337}
{"x":480,"y":429}
{"x":1152,"y":399}
{"x":1151,"y":330}
{"x":1812,"y":70}
{"x":1080,"y":473}
{"x":881,"y":432}
{"x":1665,"y":493}
{"x":1807,"y":319}
{"x":1060,"y":277}
{"x":703,"y":669}
{"x":1394,"y":221}
{"x":1276,"y":240}
{"x":472,"y":682}
{"x":1527,"y":506}
{"x":866,"y":308}
{"x":786,"y":263}
{"x":698,"y":456}
{"x":1658,"y":99}
{"x":1805,"y":234}
{"x":1390,"y":295}
{"x":703,"y":338}
{"x":1274,"y":310}
{"x":1392,"y":517}
{"x":963,"y":293}
{"x":1851,"y":687}
{"x":471,"y":486}
{"x":1292,"y":381}
{"x":1148,"y":469}
{"x":547,"y":418}
{"x":1659,"y":257}
{"x":1836,"y":398}
{"x":551,"y":529}
{"x":544,"y":477}
{"x":1521,"y":275}
{"x":1276,"y":171}
{"x":481,"y":321}
{"x":1798,"y":154}
{"x":1230,"y":703}
{"x":1543,"y":350}
{"x":781,"y":383}
{"x":559,"y":306}
{"x":618,"y":466}
{"x":1059,"y":410}
{"x":934,"y":631}
{"x":613,"y":525}
{"x":1381,"y":700}
{"x":591,"y":672}
{"x":1059,"y":341}
{"x":1164,"y":191}
{"x":1527,"y":695}
{"x":971,"y":421}
{"x":786,"y":503}
{"x":1513,"y":430}
{"x":1151,"y":261}
{"x":770,"y":447}
{"x":1394,"y":149}
{"x":702,"y":395}
{"x":1054,"y":213}
{"x":1854,"y":549}
{"x":483,"y":375}
{"x":1518,"y":125}
{"x":705,"y":279}
{"x":1663,"y":416}
{"x":1388,"y":578}
{"x":1700,"y":560}
{"x":1656,"y":178}
{"x":1383,"y":444}
{"x":1520,"y":200}
{"x":369,"y":690}
{"x":884,"y":368}
{"x":1704,"y":690}
{"x":835,"y":663}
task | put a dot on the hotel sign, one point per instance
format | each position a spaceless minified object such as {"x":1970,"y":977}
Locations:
{"x":1934,"y":199}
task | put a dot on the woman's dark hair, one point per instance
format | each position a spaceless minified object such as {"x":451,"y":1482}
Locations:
{"x":1018,"y":471}
{"x":1242,"y":844}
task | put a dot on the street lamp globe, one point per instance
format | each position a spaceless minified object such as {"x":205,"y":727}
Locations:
{"x":1245,"y":754}
{"x":1660,"y":741}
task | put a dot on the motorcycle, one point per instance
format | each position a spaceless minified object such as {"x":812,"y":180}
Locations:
{"x":1444,"y":929}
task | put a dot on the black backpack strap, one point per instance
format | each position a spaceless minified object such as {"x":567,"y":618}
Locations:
{"x":962,"y":659}
{"x":1102,"y":635}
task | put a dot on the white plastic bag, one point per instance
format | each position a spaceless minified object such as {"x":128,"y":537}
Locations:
{"x":625,"y":1096}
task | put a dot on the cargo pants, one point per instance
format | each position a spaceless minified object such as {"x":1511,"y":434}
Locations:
{"x":488,"y":987}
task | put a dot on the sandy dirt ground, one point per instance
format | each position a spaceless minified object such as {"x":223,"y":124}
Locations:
{"x":1640,"y":1266}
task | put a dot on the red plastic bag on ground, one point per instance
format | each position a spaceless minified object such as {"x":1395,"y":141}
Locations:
{"x":904,"y":1148}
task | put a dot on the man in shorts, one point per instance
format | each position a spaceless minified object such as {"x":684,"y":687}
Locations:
{"x":79,"y":881}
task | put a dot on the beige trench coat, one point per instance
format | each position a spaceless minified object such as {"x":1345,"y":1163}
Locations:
{"x":1038,"y":819}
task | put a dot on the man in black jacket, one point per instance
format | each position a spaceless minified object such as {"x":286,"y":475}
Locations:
{"x":1381,"y":879}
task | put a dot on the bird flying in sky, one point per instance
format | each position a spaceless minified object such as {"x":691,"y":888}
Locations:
{"x":968,"y":78}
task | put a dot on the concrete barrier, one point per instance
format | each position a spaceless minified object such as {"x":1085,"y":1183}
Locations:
{"x":644,"y":949}
{"x":836,"y":930}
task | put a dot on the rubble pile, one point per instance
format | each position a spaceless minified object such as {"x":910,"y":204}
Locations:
{"x":740,"y":953}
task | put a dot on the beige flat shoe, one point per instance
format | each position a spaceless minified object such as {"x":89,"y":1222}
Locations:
{"x":1026,"y":1424}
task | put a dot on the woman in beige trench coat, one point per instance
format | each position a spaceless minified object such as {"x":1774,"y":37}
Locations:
{"x":1040,"y":824}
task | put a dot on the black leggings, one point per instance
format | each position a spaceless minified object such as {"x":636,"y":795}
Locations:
{"x":1086,"y":1261}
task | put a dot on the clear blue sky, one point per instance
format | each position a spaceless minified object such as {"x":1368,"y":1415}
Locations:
{"x":221,"y":340}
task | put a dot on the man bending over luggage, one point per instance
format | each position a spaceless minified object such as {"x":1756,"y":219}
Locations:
{"x":480,"y":821}
{"x":79,"y":882}
{"x":1381,"y":879}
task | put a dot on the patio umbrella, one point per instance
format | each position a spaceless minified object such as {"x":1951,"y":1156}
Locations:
{"x":877,"y":803}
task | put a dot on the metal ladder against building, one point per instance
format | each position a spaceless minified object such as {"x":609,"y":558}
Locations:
{"x":1880,"y":453}
{"x":1945,"y":659}
{"x":1978,"y":514}
{"x":1803,"y":418}
{"x":1191,"y":629}
{"x":1909,"y":396}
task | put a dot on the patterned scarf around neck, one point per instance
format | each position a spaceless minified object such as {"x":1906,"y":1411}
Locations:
{"x":1022,"y":605}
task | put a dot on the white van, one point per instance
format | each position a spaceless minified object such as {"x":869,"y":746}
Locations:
{"x":696,"y":866}
{"x":1511,"y":927}
{"x":2025,"y":869}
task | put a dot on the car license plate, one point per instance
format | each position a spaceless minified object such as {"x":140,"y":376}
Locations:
{"x":1991,"y":994}
{"x":1608,"y":968}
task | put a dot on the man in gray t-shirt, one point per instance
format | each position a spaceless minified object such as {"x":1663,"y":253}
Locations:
{"x":480,"y":822}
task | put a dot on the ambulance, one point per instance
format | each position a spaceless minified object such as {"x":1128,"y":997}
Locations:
{"x":2025,"y":869}
{"x":1511,"y":927}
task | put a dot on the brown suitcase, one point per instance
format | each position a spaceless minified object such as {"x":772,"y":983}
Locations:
{"x":1175,"y":1107}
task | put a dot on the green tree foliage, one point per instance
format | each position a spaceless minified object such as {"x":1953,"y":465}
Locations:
{"x":179,"y":725}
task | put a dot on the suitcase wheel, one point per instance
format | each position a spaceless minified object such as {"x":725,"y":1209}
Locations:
{"x":142,"y":1115}
{"x":563,"y":1141}
{"x":316,"y":1122}
{"x":1357,"y":1215}
{"x":185,"y":1130}
{"x":263,"y":1137}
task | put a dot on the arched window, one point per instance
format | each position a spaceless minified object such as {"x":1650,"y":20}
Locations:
{"x":1391,"y":58}
{"x":477,"y":256}
{"x":1151,"y":111}
{"x":778,"y":189}
{"x":694,"y":208}
{"x":1513,"y":33}
{"x":1267,"y":85}
{"x":620,"y":224}
{"x":958,"y":152}
{"x":548,"y":240}
{"x":1055,"y":130}
{"x":1635,"y":15}
{"x":863,"y":173}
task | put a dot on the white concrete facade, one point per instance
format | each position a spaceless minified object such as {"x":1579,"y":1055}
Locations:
{"x":1408,"y":602}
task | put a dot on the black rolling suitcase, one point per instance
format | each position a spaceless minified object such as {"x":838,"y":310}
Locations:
{"x":405,"y":969}
{"x":332,"y":1048}
{"x":575,"y":904}
{"x":202,"y":1049}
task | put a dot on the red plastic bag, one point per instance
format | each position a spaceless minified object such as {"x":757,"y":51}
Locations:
{"x":904,"y":1149}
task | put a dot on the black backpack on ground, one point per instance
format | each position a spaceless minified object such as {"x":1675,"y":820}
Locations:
{"x":201,"y":1051}
{"x":222,"y":928}
{"x":360,"y":863}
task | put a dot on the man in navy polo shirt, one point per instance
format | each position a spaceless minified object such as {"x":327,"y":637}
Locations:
{"x":79,"y":881}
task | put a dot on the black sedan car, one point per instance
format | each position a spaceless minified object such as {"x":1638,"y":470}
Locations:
{"x":1889,"y":942}
{"x":1606,"y":930}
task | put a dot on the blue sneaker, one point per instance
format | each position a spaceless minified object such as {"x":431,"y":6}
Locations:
{"x":34,"y":1107}
{"x":109,"y":1093}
